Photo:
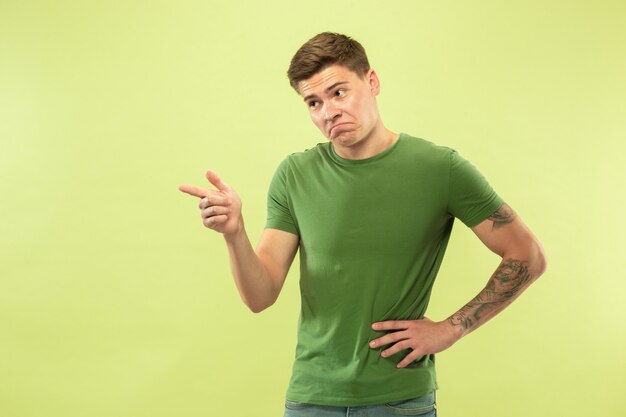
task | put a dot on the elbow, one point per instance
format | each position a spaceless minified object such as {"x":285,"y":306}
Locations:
{"x":258,"y":306}
{"x":538,"y":261}
{"x":259,"y":298}
{"x":533,"y":255}
{"x":543,"y":264}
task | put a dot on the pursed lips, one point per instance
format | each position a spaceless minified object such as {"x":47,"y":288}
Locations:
{"x":336,"y":126}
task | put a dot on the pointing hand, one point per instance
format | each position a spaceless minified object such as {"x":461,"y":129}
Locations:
{"x":220,"y":209}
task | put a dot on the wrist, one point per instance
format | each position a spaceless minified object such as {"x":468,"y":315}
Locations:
{"x":235,"y":235}
{"x":455,"y":329}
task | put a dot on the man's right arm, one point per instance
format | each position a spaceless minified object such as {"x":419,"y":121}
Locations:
{"x":259,"y":275}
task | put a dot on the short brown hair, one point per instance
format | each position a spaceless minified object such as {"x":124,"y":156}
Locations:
{"x":324,"y":50}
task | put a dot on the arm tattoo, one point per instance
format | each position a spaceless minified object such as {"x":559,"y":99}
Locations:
{"x":504,"y":215}
{"x":511,"y":276}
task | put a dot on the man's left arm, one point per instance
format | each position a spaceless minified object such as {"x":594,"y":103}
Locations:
{"x":523,"y":261}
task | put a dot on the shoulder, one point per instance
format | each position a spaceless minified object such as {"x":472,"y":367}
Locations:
{"x":424,"y":145}
{"x":426,"y":151}
{"x":305,"y":158}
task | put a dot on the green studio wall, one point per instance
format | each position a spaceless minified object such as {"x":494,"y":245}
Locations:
{"x":115,"y":301}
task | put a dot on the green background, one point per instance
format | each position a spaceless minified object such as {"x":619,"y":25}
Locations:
{"x":115,"y":301}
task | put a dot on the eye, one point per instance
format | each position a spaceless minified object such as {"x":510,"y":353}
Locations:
{"x":313,"y":104}
{"x":340,"y":93}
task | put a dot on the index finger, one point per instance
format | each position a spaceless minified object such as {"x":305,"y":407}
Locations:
{"x":193,"y":190}
{"x":391,"y":325}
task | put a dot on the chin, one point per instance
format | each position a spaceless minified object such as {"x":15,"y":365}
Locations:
{"x":345,"y":138}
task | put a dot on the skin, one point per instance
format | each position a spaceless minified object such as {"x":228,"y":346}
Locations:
{"x":343,"y":106}
{"x":523,"y":261}
{"x":258,"y":274}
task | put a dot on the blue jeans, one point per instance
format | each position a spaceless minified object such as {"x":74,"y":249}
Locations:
{"x":424,"y":406}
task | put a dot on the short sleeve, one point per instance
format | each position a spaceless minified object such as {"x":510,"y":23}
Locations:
{"x":279,"y":214}
{"x":471,"y":198}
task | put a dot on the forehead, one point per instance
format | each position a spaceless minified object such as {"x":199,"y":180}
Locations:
{"x":325,"y":78}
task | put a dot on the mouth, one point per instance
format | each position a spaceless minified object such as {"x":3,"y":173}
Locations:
{"x":340,"y":126}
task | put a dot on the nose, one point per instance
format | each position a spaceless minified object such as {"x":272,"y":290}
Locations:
{"x":331,"y":112}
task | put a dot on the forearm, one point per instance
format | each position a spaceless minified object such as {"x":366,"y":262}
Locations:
{"x":523,"y":261}
{"x":251,"y":277}
{"x":509,"y":280}
{"x":258,"y":274}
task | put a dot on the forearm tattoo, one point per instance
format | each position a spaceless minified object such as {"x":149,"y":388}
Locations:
{"x":504,"y":215}
{"x":511,"y":277}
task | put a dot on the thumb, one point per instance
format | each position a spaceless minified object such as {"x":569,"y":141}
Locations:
{"x":217,"y":182}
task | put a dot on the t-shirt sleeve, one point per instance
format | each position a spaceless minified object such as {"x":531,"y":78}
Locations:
{"x":471,"y":198}
{"x":279,"y":214}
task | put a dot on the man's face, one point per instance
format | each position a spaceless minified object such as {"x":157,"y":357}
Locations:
{"x":342,"y":104}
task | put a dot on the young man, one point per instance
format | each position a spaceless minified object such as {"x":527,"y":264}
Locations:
{"x":371,"y":212}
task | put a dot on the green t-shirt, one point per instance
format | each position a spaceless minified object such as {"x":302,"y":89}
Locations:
{"x":373,"y":233}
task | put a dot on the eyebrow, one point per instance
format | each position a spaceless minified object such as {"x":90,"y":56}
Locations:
{"x":310,"y":96}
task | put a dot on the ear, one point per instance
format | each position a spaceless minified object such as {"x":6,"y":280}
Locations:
{"x":373,"y":81}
